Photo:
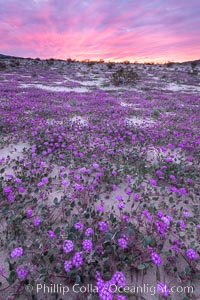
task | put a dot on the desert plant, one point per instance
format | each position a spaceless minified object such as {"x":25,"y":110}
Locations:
{"x":169,"y":64}
{"x":124,"y":76}
{"x":90,"y":63}
{"x":2,"y":66}
{"x":14,"y":63}
{"x":50,"y":61}
{"x":110,"y":65}
{"x":193,"y":64}
{"x":126,"y":62}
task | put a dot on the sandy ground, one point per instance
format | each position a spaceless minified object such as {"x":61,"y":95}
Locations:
{"x":16,"y":151}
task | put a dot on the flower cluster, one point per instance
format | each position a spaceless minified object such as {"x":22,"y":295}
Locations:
{"x":17,"y":252}
{"x":68,"y":246}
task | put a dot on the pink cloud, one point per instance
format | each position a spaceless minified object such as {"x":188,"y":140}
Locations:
{"x":115,"y":29}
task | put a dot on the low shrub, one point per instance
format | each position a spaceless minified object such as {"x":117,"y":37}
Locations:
{"x":124,"y":76}
{"x":2,"y":66}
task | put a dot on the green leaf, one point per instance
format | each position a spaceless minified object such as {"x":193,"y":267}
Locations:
{"x":51,"y":258}
{"x":108,"y":236}
{"x":130,"y":231}
{"x":142,"y":266}
{"x":12,"y":277}
{"x":78,"y":279}
{"x":197,"y":275}
{"x":57,"y":231}
{"x":55,"y":201}
{"x":147,"y":240}
{"x":72,"y":204}
{"x":43,"y":271}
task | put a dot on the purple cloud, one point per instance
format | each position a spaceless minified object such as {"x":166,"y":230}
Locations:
{"x":115,"y":29}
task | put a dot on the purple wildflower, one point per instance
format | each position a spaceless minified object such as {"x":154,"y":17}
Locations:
{"x":89,"y":231}
{"x":156,"y":258}
{"x":162,"y":289}
{"x":87,"y":245}
{"x":21,"y":273}
{"x":173,"y":178}
{"x":68,"y":246}
{"x":122,"y":243}
{"x":45,"y":180}
{"x":40,"y":184}
{"x":181,"y":224}
{"x":121,"y":297}
{"x":125,"y":218}
{"x":120,"y":205}
{"x":105,"y":294}
{"x":175,"y":248}
{"x":191,"y":254}
{"x":102,"y":226}
{"x":36,"y":221}
{"x":51,"y":234}
{"x":17,"y":252}
{"x":114,"y":187}
{"x":67,"y":265}
{"x":147,"y":215}
{"x":182,"y":191}
{"x":100,"y":208}
{"x":21,"y":189}
{"x":128,"y":179}
{"x":79,"y":226}
{"x":78,"y":187}
{"x":65,"y":182}
{"x":161,"y":227}
{"x":119,"y":279}
{"x":77,"y":259}
{"x":153,"y":181}
{"x":11,"y":197}
{"x":17,"y":180}
{"x":186,"y":214}
{"x":99,"y":281}
{"x":95,"y":165}
{"x":167,"y":219}
{"x":128,"y":191}
{"x":29,"y":213}
{"x":173,"y":189}
{"x":7,"y":189}
{"x":119,"y":197}
{"x":136,"y":196}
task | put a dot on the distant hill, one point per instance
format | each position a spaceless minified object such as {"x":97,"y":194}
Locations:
{"x":197,"y":62}
{"x":3,"y":56}
{"x":10,"y":57}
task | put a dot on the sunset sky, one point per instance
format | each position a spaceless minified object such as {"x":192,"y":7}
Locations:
{"x":137,"y":30}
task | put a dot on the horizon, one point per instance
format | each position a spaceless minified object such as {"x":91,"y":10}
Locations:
{"x":98,"y":60}
{"x":158,"y":31}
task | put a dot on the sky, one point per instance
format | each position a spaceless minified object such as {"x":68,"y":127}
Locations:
{"x":115,"y":30}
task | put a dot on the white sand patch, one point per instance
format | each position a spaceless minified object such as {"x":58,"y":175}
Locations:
{"x":79,"y":120}
{"x":28,"y":76}
{"x":169,"y":113}
{"x":154,"y":155}
{"x":118,"y":88}
{"x":126,"y":104}
{"x":54,"y":122}
{"x":56,"y":88}
{"x":14,"y":150}
{"x":3,"y":262}
{"x":182,"y":87}
{"x":92,"y":82}
{"x":139,"y":122}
